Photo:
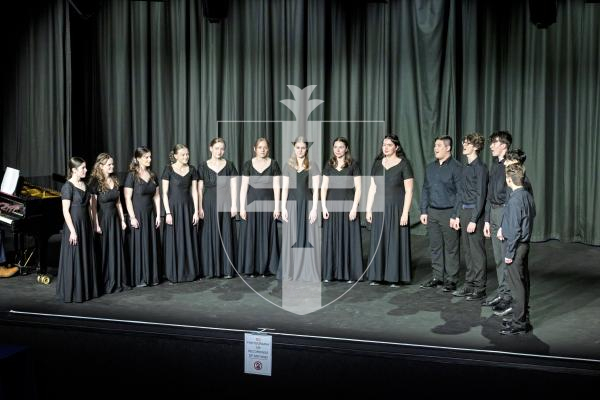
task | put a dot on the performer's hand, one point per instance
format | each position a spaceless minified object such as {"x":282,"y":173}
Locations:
{"x":243,"y":214}
{"x":325,"y":213}
{"x":284,"y":214}
{"x":195,"y":219}
{"x":73,"y":239}
{"x":123,"y":225}
{"x":233,"y":211}
{"x":369,"y":217}
{"x":134,"y":223}
{"x":424,"y":219}
{"x":276,"y":214}
{"x":98,"y":229}
{"x":169,"y":219}
{"x":312,"y":216}
{"x":404,"y":219}
{"x":157,"y":222}
{"x":201,"y":213}
{"x":352,"y":215}
{"x":508,"y":261}
{"x":471,"y":227}
{"x":499,"y":235}
{"x":486,"y":230}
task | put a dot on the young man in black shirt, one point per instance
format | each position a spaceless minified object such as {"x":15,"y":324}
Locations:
{"x":497,"y":196}
{"x":516,"y":229}
{"x":470,"y":208}
{"x":438,"y":200}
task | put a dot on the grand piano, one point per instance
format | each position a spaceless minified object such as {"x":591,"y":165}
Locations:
{"x":33,"y":210}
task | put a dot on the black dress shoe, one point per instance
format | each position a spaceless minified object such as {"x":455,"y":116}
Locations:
{"x":492,"y":302}
{"x":431,"y":284}
{"x":506,"y":322}
{"x":503,"y":312}
{"x":515,"y":330}
{"x":449,"y":287}
{"x":475,"y":296}
{"x":462,"y":292}
{"x":500,"y":308}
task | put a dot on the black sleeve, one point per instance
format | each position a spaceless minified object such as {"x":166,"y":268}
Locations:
{"x":167,"y":173}
{"x":314,"y":169}
{"x":93,"y":186}
{"x":66,"y":192}
{"x":232,"y":169}
{"x":276,"y":169}
{"x":129,"y":181}
{"x":327,"y":170}
{"x":482,"y":184}
{"x":247,"y":168}
{"x":407,"y":171}
{"x":355,"y":169}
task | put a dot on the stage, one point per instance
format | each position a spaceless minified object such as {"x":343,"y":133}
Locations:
{"x":380,"y":321}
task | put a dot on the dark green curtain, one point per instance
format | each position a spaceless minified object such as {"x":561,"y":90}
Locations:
{"x":157,"y":73}
{"x":35,"y":78}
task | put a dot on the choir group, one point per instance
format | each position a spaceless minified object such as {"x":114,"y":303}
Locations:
{"x":107,"y":247}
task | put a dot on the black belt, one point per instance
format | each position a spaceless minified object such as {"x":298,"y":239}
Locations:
{"x":441,"y":208}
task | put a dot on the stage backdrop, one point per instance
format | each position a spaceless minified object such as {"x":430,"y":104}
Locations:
{"x":129,"y":73}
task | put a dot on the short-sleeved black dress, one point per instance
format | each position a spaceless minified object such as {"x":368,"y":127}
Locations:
{"x":143,"y":242}
{"x":389,"y":254}
{"x":300,"y":247}
{"x":78,"y":278}
{"x":181,"y":239}
{"x":110,"y":255}
{"x":258,"y":251}
{"x":342,"y":251}
{"x":218,"y":255}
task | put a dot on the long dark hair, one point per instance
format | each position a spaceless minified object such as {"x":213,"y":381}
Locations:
{"x":399,"y":150}
{"x":74,"y":162}
{"x":134,"y":165}
{"x":347,"y":157}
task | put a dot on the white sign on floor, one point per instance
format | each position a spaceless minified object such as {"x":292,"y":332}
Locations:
{"x":258,"y":354}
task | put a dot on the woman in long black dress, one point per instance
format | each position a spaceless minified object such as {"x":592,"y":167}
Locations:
{"x":391,"y":189}
{"x":300,"y":247}
{"x":217,"y":189}
{"x":110,"y":223}
{"x":143,"y":206}
{"x":259,"y":246}
{"x":342,"y":252}
{"x":78,"y":278}
{"x":180,"y":199}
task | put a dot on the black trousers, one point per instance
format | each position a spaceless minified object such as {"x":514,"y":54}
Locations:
{"x":473,"y":245}
{"x":518,"y":283}
{"x":499,"y":253}
{"x":443,"y":245}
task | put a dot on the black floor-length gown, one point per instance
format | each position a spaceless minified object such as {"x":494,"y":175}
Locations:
{"x":258,"y":251}
{"x":110,"y":255}
{"x":181,"y":239}
{"x":389,"y":254}
{"x":143,"y":242}
{"x":218,"y":255}
{"x":78,"y":277}
{"x":300,"y":247}
{"x":342,"y":251}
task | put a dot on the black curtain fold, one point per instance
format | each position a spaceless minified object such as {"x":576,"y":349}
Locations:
{"x":157,"y":73}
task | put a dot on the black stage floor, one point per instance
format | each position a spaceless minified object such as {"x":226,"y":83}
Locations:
{"x":565,"y":313}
